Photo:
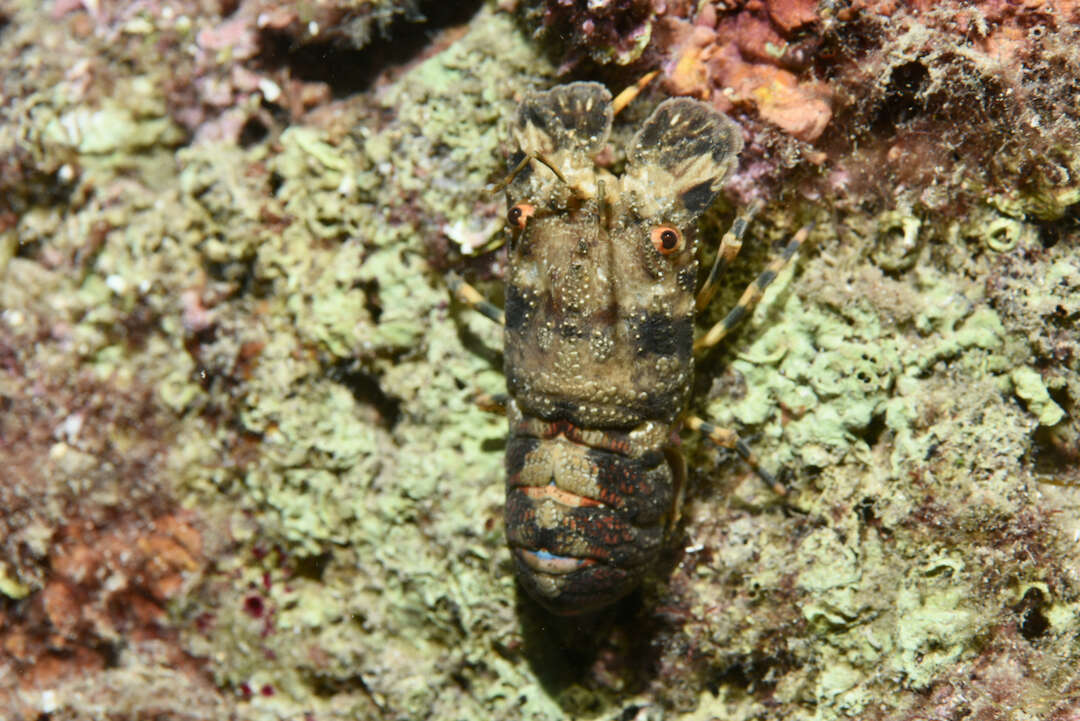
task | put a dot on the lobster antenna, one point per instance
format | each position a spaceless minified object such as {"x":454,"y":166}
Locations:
{"x":521,"y":165}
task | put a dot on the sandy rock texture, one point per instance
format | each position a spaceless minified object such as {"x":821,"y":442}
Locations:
{"x":243,"y":473}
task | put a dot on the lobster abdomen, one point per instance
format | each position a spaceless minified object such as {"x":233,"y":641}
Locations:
{"x":584,"y":523}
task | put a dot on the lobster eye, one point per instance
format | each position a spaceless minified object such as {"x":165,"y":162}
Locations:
{"x":519,"y":214}
{"x":666,"y":239}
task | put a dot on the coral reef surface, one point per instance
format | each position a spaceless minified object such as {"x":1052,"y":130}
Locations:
{"x":244,"y":472}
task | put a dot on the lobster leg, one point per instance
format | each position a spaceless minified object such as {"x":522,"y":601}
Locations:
{"x":752,"y":294}
{"x":471,"y":297}
{"x":730,"y":245}
{"x":490,"y":402}
{"x":727,"y":438}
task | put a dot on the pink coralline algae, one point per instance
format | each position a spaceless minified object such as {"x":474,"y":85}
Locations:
{"x":739,"y":59}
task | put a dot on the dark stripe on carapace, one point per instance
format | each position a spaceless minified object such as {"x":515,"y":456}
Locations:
{"x":663,"y":335}
{"x":518,"y":307}
{"x":662,"y":406}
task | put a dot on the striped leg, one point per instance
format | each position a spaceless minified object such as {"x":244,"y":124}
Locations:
{"x":490,"y":402}
{"x":730,"y":245}
{"x":752,"y":294}
{"x":727,"y":438}
{"x":471,"y":297}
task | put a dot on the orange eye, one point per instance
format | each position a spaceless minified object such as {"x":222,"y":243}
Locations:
{"x":519,"y":214}
{"x":667,"y":240}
